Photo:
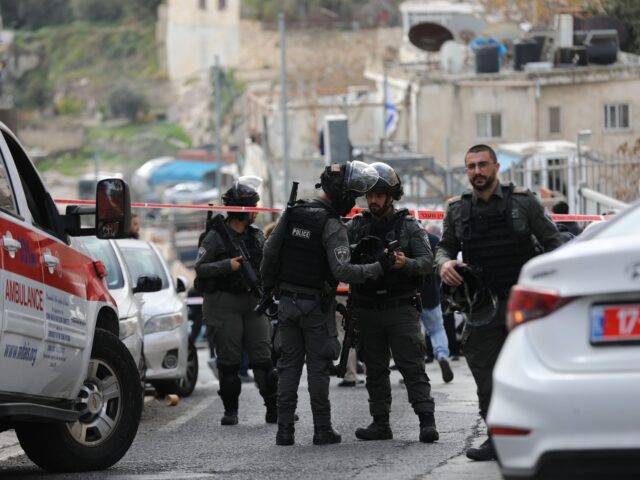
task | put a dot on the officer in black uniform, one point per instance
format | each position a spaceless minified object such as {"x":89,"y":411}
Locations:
{"x":387,"y":310}
{"x":494,"y":226}
{"x":228,"y":307}
{"x":305,"y":257}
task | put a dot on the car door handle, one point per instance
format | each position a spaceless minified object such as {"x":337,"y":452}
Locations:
{"x":50,"y":261}
{"x":10,"y":244}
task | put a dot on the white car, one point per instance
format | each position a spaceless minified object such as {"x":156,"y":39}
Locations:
{"x":170,"y":358}
{"x":566,"y":386}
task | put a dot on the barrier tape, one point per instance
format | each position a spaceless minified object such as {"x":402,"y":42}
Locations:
{"x":421,"y":214}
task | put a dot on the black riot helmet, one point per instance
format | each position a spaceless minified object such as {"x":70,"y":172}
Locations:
{"x":473,"y":298}
{"x":243,"y":193}
{"x":389,"y":182}
{"x":343,"y":183}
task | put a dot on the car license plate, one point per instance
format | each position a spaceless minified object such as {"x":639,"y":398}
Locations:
{"x":618,"y":323}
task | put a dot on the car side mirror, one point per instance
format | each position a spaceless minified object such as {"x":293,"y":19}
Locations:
{"x":148,"y":283}
{"x":181,"y":284}
{"x":113,"y":209}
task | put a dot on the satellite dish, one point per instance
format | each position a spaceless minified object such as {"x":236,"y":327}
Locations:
{"x":429,"y":36}
{"x":466,"y":27}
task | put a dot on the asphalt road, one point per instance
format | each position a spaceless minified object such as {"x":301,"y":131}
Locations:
{"x":187,"y":441}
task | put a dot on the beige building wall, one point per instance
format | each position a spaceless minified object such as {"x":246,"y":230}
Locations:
{"x":197,"y":31}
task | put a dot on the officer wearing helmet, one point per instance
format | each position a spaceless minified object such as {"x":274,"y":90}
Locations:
{"x":228,"y":308}
{"x":388,"y":308}
{"x":304,"y":258}
{"x":496,"y":228}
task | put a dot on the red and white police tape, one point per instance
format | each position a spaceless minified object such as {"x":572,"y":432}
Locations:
{"x":421,"y":214}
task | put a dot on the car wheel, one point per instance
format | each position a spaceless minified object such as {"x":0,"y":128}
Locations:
{"x":184,"y":386}
{"x":110,"y":406}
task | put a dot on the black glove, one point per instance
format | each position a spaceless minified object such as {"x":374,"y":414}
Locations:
{"x":386,"y":261}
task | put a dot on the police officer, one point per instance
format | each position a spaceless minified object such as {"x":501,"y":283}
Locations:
{"x":493,"y":225}
{"x":388,"y":309}
{"x":305,"y":257}
{"x":228,"y":306}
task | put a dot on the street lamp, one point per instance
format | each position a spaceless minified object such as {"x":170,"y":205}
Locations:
{"x":583,"y":135}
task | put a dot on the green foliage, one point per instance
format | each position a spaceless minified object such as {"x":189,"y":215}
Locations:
{"x":124,"y":102}
{"x":34,"y":14}
{"x":629,"y":12}
{"x":69,"y":106}
{"x":98,"y":10}
{"x":35,"y":91}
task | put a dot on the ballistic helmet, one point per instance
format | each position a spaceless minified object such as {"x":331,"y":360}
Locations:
{"x":473,"y":297}
{"x":243,"y":192}
{"x":343,"y":183}
{"x":388,"y":181}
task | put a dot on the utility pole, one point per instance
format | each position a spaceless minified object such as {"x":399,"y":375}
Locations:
{"x":218,"y":123}
{"x":283,"y":105}
{"x":385,"y":89}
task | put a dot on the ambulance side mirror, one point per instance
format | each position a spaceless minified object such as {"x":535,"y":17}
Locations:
{"x":113,"y":209}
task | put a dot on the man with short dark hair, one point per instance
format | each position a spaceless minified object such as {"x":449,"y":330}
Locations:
{"x":562,"y":208}
{"x":492,"y":225}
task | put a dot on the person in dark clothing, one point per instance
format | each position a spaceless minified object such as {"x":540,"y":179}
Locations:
{"x":494,"y":227}
{"x":562,"y":208}
{"x":304,"y":259}
{"x":228,"y":306}
{"x":432,"y":318}
{"x":387,"y":310}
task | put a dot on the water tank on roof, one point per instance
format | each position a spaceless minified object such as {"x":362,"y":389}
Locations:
{"x":525,"y":51}
{"x":602,"y":53}
{"x":571,"y":57}
{"x":452,"y":57}
{"x":487,"y":59}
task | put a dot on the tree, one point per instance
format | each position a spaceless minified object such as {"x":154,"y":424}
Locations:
{"x":123,"y":102}
{"x":629,"y":12}
{"x":98,"y":10}
{"x":34,"y":14}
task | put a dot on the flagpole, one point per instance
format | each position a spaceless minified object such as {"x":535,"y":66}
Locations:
{"x":385,"y":89}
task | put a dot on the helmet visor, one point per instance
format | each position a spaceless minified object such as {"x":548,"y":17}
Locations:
{"x":359,"y":177}
{"x":387,"y":174}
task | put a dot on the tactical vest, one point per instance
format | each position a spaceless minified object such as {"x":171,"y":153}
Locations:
{"x":305,"y":259}
{"x":491,"y":242}
{"x":233,"y":282}
{"x":394,"y":283}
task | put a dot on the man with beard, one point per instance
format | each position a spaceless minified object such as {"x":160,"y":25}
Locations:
{"x":305,"y":257}
{"x":493,"y":226}
{"x":387,"y":310}
{"x":228,"y":307}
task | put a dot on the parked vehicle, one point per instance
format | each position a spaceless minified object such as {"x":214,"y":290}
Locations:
{"x":170,"y":357}
{"x":68,"y":385}
{"x":567,"y":382}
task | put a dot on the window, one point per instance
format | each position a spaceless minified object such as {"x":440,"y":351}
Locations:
{"x":616,"y":116}
{"x":554,"y":119}
{"x":103,"y":251}
{"x":202,"y":4}
{"x":7,"y":201}
{"x":222,"y":4}
{"x":488,"y":125}
{"x":143,"y":261}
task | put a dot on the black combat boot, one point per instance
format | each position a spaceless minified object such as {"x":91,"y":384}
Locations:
{"x":325,"y":434}
{"x":229,"y":392}
{"x":428,"y":432}
{"x":271,"y":415}
{"x":286,"y":434}
{"x":229,"y":418}
{"x":378,"y":430}
{"x":483,"y":453}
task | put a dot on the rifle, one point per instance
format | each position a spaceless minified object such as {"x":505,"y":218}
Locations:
{"x":350,"y":337}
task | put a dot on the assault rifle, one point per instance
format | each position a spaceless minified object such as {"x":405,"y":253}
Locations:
{"x":350,"y":337}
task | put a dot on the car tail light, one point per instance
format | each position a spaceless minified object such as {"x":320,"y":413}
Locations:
{"x":100,"y":269}
{"x":526,"y":304}
{"x":509,"y":432}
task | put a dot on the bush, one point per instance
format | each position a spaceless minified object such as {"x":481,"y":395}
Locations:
{"x":98,"y":10}
{"x":125,"y":103}
{"x":69,"y":106}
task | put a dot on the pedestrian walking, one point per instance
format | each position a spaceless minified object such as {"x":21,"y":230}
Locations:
{"x":228,"y":306}
{"x":305,"y":257}
{"x":387,"y":309}
{"x":492,"y":225}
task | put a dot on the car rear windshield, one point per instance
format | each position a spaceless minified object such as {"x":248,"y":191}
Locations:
{"x":143,"y":261}
{"x":627,"y":225}
{"x":103,"y":251}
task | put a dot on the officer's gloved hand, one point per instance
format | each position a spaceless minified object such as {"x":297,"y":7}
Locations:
{"x":386,"y":260}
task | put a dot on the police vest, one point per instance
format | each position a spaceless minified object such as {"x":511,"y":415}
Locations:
{"x":233,"y":282}
{"x":394,"y":283}
{"x":304,"y":259}
{"x":491,"y":242}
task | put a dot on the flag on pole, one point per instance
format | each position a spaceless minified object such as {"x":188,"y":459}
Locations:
{"x":391,"y":114}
